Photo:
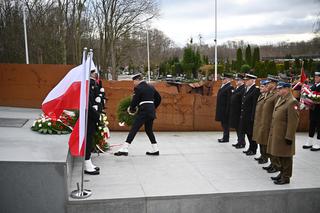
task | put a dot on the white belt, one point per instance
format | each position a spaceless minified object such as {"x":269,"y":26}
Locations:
{"x":145,"y":102}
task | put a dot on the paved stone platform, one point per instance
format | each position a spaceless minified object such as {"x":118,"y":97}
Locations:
{"x":195,"y":173}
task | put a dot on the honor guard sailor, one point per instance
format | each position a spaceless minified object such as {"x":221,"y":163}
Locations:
{"x":314,"y":117}
{"x":93,"y":119}
{"x":145,"y":99}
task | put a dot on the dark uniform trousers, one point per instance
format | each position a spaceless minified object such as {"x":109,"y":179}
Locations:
{"x":263,"y":151}
{"x":275,"y":161}
{"x":138,"y":122}
{"x":314,"y":126}
{"x":226,"y":130}
{"x":144,"y":92}
{"x":314,"y":116}
{"x":285,"y":167}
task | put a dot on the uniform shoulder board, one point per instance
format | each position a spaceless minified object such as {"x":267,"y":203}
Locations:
{"x":257,"y":87}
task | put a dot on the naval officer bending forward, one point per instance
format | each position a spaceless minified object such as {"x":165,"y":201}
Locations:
{"x":146,"y":98}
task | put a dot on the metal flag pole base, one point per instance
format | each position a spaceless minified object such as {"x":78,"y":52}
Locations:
{"x":80,"y":194}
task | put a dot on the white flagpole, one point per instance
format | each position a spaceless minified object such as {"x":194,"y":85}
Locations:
{"x":148,"y":51}
{"x":215,"y":45}
{"x":25,"y":34}
{"x":82,"y":193}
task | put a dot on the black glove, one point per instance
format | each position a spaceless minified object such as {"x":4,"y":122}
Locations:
{"x":288,"y":142}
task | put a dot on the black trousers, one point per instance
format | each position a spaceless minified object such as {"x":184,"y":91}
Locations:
{"x":253,"y":145}
{"x":241,"y":137}
{"x":91,"y":129}
{"x":137,"y":124}
{"x":314,"y":126}
{"x":226,"y":131}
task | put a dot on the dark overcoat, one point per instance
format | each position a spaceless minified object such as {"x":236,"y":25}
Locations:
{"x":223,"y":103}
{"x":248,"y":108}
{"x":235,"y":106}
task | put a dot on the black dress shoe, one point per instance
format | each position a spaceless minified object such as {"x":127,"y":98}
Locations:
{"x":315,"y":149}
{"x":245,"y":152}
{"x":97,"y":168}
{"x":250,"y":153}
{"x":234,"y":145}
{"x":153,"y":153}
{"x":306,"y":147}
{"x":240,"y":146}
{"x":278,"y":177}
{"x":223,"y":140}
{"x":259,"y":158}
{"x":262,"y":161}
{"x":272,"y":170}
{"x":121,"y":153}
{"x":92,"y":173}
{"x":267,"y":167}
{"x":281,"y":181}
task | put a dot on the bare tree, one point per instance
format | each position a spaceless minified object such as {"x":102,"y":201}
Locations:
{"x":119,"y":18}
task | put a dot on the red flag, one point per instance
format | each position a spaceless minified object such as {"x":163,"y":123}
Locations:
{"x":303,"y":76}
{"x":71,"y":93}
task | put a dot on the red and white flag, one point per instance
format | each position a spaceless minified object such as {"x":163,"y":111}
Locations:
{"x":71,"y":93}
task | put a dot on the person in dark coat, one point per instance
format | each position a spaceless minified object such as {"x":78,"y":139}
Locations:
{"x":146,"y":99}
{"x":235,"y":111}
{"x":93,"y":119}
{"x":223,"y":106}
{"x":248,"y":108}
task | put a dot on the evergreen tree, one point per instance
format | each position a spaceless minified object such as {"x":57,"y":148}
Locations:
{"x":248,"y":55}
{"x":256,"y":56}
{"x":286,"y":65}
{"x":239,"y":59}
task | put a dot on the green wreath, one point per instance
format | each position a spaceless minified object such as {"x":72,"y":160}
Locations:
{"x":122,"y":113}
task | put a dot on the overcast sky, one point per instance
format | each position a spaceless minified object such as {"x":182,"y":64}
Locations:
{"x":254,"y":21}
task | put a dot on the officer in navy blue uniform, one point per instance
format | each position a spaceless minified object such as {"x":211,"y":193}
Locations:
{"x":235,"y":110}
{"x":314,"y":117}
{"x":223,"y":105}
{"x":146,"y":99}
{"x":248,"y":108}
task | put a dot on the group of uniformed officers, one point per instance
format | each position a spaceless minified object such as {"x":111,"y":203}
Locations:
{"x":269,"y":116}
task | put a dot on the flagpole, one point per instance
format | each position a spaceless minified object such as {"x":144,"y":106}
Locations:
{"x":148,"y":51}
{"x":86,"y":120}
{"x":215,"y":44}
{"x":80,"y":192}
{"x":25,"y":35}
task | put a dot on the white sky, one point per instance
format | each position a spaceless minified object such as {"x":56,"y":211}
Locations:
{"x":254,"y":21}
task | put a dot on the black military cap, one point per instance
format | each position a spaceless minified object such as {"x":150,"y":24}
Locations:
{"x":226,"y":75}
{"x":238,"y":76}
{"x":137,"y":76}
{"x":273,"y":78}
{"x":249,"y":76}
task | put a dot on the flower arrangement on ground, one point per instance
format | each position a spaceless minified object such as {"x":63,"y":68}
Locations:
{"x":65,"y":123}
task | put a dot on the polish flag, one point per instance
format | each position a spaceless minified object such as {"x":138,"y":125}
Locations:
{"x":72,"y":93}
